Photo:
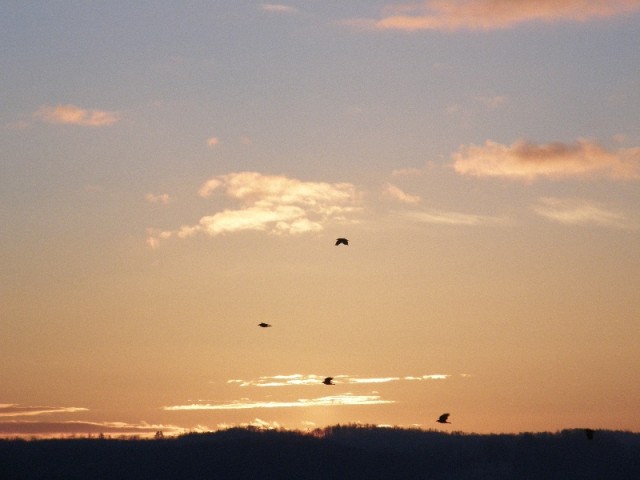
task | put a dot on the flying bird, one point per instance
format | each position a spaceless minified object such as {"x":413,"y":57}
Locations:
{"x":342,"y":241}
{"x":443,"y":418}
{"x":328,"y":381}
{"x":264,"y":325}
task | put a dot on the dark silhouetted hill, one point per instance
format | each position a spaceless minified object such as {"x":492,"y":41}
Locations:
{"x":338,"y":452}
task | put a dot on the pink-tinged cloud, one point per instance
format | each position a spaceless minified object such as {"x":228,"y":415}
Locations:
{"x":450,"y":15}
{"x":273,"y":204}
{"x":528,"y":161}
{"x":571,"y":211}
{"x":393,"y":192}
{"x":278,"y":8}
{"x":328,"y":401}
{"x":213,"y":141}
{"x":14,"y":410}
{"x":72,"y":115}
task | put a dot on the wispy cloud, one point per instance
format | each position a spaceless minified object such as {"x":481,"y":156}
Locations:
{"x":452,"y":218}
{"x":274,"y":204}
{"x":255,"y":423}
{"x":571,"y":211}
{"x":393,"y":192}
{"x":52,"y":429}
{"x":451,"y":15}
{"x":312,"y":379}
{"x":14,"y":410}
{"x":278,"y":8}
{"x":162,"y":198}
{"x":528,"y":161}
{"x":73,"y":115}
{"x":491,"y":101}
{"x":327,"y":401}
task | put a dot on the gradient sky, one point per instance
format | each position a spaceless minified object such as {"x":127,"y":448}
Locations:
{"x":174,"y":173}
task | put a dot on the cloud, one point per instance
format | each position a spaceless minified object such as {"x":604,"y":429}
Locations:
{"x":162,"y":198}
{"x":278,"y":8}
{"x":580,"y":212}
{"x":328,"y":401}
{"x":52,"y":429}
{"x":273,"y":204}
{"x":14,"y":410}
{"x":395,"y":193}
{"x":72,"y":115}
{"x":437,"y":376}
{"x":528,"y":161}
{"x":491,"y":102}
{"x":451,"y":15}
{"x":256,"y":423}
{"x":452,"y":218}
{"x":312,"y":379}
{"x":213,"y":141}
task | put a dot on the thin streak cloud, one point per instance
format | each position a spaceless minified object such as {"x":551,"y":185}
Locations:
{"x":528,"y":161}
{"x":312,"y":379}
{"x":395,"y":193}
{"x":52,"y":429}
{"x":484,"y":15}
{"x":73,"y":115}
{"x":452,"y":218}
{"x":278,"y":8}
{"x":571,"y":211}
{"x":14,"y":410}
{"x":328,"y":401}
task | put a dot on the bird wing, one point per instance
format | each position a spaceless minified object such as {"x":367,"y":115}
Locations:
{"x":443,"y":417}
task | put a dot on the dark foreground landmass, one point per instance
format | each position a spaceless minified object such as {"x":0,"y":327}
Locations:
{"x":339,"y":452}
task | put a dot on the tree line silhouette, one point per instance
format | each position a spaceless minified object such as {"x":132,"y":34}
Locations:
{"x":336,"y":452}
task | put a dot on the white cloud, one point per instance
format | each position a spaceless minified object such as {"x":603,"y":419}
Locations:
{"x":73,"y":115}
{"x":274,"y":204}
{"x":314,"y":380}
{"x":327,"y":401}
{"x":528,"y":161}
{"x":572,"y":211}
{"x":14,"y":410}
{"x":437,"y":376}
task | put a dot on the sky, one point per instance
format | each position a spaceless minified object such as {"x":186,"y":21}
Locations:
{"x":174,"y":173}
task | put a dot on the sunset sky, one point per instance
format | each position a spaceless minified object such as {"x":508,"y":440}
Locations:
{"x":174,"y":173}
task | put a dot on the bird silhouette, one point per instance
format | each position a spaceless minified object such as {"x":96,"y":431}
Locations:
{"x":328,"y":381}
{"x":342,"y":241}
{"x":443,"y":418}
{"x":264,"y":325}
